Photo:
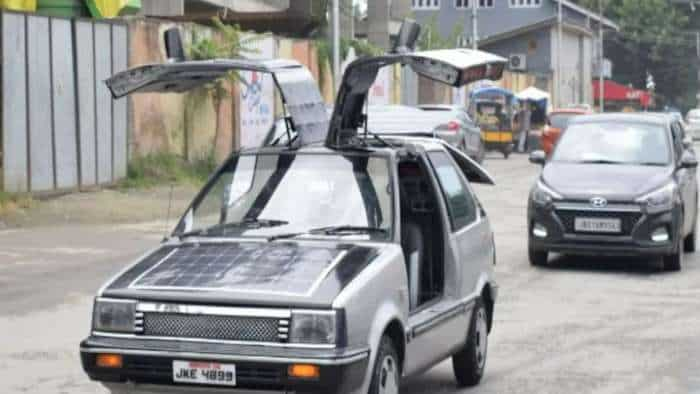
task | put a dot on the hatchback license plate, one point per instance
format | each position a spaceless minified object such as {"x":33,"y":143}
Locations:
{"x":597,"y":225}
{"x":204,"y":372}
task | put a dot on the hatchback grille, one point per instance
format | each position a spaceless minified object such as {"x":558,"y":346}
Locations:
{"x":231,"y":328}
{"x":628,"y":219}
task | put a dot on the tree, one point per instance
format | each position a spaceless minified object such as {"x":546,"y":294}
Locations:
{"x":230,"y":44}
{"x":653,"y":38}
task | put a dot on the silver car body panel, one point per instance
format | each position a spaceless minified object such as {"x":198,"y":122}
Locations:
{"x":297,"y":86}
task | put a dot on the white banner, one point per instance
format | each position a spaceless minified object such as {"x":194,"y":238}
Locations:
{"x":380,"y":92}
{"x":459,"y":96}
{"x":257,"y":98}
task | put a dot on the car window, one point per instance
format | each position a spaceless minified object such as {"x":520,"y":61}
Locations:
{"x":461,"y":205}
{"x":614,"y":142}
{"x":560,"y":120}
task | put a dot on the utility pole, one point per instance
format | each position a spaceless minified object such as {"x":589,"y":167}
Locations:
{"x":601,"y":59}
{"x":475,"y":26}
{"x":560,"y":32}
{"x":336,"y":44}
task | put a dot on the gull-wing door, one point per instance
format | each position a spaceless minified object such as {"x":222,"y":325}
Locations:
{"x":298,"y":89}
{"x":453,"y":67}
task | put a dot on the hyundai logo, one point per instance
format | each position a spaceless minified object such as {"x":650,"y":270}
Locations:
{"x":599,"y":202}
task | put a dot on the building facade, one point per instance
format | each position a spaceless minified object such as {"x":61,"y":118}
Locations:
{"x":526,"y":32}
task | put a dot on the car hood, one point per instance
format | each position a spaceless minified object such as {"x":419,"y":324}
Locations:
{"x":304,"y":274}
{"x":614,"y":182}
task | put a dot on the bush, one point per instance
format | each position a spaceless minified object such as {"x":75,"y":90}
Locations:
{"x":163,"y":168}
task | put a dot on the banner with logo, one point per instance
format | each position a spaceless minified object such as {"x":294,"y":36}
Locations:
{"x":257,"y":98}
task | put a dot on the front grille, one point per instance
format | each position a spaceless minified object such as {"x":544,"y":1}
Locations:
{"x":231,"y":328}
{"x":628,"y":219}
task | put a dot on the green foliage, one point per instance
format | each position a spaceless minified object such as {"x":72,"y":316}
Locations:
{"x":431,"y":38}
{"x":653,"y":37}
{"x":163,"y":168}
{"x":324,"y":51}
{"x":10,"y":203}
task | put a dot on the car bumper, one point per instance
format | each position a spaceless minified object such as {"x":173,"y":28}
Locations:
{"x":147,"y":366}
{"x":634,"y":240}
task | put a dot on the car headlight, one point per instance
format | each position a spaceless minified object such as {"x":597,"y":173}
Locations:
{"x":543,"y":195}
{"x":315,"y":327}
{"x":113,"y":315}
{"x":659,"y":200}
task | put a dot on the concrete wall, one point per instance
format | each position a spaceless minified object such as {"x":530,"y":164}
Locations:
{"x":185,"y":124}
{"x":536,"y":45}
{"x":499,"y":19}
{"x":576,"y":67}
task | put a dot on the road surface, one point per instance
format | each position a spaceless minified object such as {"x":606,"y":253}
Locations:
{"x":583,"y":325}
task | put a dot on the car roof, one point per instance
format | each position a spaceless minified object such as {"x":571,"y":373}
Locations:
{"x":398,"y":142}
{"x":646,"y":117}
{"x":441,"y":107}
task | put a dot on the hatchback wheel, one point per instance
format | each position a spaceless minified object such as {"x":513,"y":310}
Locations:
{"x":387,"y":372}
{"x":537,"y":258}
{"x":468,"y":364}
{"x":690,"y":240}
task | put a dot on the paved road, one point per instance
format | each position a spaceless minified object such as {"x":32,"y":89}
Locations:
{"x":580,"y":326}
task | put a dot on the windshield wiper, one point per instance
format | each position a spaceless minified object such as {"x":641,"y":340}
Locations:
{"x":601,"y":161}
{"x":331,"y":230}
{"x":221,"y":227}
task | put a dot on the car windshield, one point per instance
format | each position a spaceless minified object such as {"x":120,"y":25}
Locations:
{"x":560,"y":120}
{"x":270,"y":195}
{"x":614,"y":143}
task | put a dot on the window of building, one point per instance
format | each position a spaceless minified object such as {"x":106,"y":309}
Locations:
{"x":425,"y":4}
{"x":480,"y":3}
{"x":525,"y":3}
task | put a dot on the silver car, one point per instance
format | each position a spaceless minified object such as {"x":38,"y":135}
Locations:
{"x":339,"y":262}
{"x":449,"y":123}
{"x":692,"y":124}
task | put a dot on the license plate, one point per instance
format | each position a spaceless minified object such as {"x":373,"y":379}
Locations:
{"x":204,"y":372}
{"x":597,"y":225}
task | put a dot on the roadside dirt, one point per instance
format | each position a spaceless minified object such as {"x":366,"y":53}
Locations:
{"x":103,"y":207}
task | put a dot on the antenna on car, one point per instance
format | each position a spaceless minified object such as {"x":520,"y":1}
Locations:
{"x":166,"y":236}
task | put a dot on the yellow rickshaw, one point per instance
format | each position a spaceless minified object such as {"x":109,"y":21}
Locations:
{"x":492,"y":110}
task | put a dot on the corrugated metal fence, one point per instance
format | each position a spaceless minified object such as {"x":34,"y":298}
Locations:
{"x":60,"y":127}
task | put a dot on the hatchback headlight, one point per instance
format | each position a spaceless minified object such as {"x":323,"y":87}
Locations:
{"x":314,"y":327}
{"x":113,"y":315}
{"x":543,"y":194}
{"x":659,"y":200}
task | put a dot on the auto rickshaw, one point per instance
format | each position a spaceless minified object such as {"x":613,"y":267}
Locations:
{"x":492,"y":110}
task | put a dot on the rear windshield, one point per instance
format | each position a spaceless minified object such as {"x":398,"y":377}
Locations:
{"x":561,"y":120}
{"x":614,"y":143}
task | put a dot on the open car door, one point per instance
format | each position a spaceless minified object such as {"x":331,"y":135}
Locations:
{"x":297,"y":87}
{"x":471,"y":169}
{"x":453,"y":67}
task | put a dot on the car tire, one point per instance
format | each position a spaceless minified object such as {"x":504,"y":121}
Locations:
{"x":674,"y":261}
{"x":386,"y":374}
{"x":538,"y":258}
{"x":468,"y":364}
{"x":690,"y":240}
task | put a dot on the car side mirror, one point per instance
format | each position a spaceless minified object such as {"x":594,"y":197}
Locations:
{"x":538,"y":157}
{"x":688,"y":160}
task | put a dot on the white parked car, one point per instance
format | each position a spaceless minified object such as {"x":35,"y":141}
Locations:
{"x":692,"y":123}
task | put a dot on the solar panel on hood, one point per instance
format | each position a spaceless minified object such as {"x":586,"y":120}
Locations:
{"x":246,"y":267}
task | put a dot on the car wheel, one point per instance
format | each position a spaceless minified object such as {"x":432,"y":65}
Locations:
{"x":387,"y":371}
{"x":674,"y":261}
{"x":468,"y":364}
{"x":538,"y":258}
{"x":690,"y":239}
